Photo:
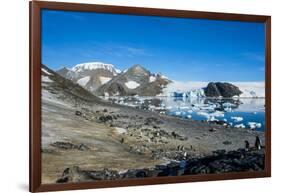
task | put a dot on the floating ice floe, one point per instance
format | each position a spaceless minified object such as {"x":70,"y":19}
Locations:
{"x":184,"y":107}
{"x":228,"y":109}
{"x":240,"y":126}
{"x":189,"y":116}
{"x":178,"y":113}
{"x":212,"y":118}
{"x":237,"y":119}
{"x":228,"y":104}
{"x":214,"y":114}
{"x":254,"y":125}
{"x":209,"y":107}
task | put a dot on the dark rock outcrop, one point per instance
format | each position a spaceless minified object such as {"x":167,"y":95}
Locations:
{"x":221,"y":89}
{"x":70,"y":146}
{"x":220,"y":162}
{"x":63,"y":71}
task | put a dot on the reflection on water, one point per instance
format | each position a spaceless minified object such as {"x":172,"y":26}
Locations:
{"x":244,"y":112}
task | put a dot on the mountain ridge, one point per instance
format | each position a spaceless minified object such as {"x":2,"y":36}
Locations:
{"x":135,"y":81}
{"x":105,"y":80}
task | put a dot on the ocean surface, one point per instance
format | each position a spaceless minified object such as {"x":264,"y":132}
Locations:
{"x":248,"y":113}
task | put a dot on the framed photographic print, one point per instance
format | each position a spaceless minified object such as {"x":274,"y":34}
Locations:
{"x":123,"y":96}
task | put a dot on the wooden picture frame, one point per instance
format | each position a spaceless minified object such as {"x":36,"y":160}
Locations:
{"x":35,"y":93}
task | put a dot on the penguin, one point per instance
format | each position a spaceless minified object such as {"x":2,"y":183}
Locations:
{"x":247,"y":145}
{"x":258,"y":143}
{"x":178,"y":148}
{"x":182,"y":148}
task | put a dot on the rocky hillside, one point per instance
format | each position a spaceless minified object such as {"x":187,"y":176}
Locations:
{"x":134,"y":81}
{"x":57,"y":88}
{"x":90,"y":75}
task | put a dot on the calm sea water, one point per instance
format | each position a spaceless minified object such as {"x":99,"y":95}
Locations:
{"x":248,"y":113}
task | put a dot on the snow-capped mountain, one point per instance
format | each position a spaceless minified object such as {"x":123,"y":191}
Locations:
{"x":90,"y":66}
{"x":105,"y":80}
{"x":90,"y":75}
{"x":134,"y":81}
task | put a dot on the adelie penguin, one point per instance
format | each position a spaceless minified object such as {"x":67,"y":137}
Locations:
{"x":258,"y":143}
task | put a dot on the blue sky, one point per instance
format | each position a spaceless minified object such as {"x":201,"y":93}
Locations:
{"x":182,"y":49}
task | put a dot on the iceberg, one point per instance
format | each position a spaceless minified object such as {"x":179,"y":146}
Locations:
{"x":254,"y":125}
{"x":237,"y":119}
{"x":240,"y":126}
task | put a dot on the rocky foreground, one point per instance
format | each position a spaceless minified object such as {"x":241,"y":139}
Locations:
{"x":85,"y":138}
{"x":219,"y":162}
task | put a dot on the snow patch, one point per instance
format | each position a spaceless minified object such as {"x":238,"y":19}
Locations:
{"x":45,"y":71}
{"x":104,"y":79}
{"x":106,"y":94}
{"x":120,"y":130}
{"x":152,"y":78}
{"x":83,"y":81}
{"x":251,"y":89}
{"x":164,"y":77}
{"x":45,"y":79}
{"x":132,"y":84}
{"x":94,"y":66}
{"x":51,"y":98}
